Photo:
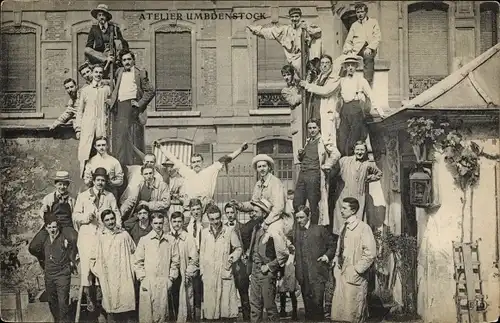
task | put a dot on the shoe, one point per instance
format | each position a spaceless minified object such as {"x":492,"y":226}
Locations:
{"x":282,"y":313}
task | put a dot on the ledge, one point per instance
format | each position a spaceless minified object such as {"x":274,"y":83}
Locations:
{"x":174,"y":114}
{"x":270,"y":112}
{"x":22,"y":115}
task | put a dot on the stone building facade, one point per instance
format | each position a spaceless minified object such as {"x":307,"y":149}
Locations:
{"x":217,"y":85}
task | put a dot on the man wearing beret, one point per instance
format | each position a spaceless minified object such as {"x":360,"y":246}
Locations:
{"x":290,"y":37}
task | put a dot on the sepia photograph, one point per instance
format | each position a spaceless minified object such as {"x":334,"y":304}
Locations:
{"x":249,"y":161}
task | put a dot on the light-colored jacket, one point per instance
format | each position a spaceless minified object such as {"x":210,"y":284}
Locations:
{"x":329,"y":106}
{"x":368,"y":31}
{"x":160,"y":197}
{"x":328,"y":156}
{"x":91,"y":118}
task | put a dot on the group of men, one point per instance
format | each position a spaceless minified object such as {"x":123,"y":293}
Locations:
{"x":155,"y":261}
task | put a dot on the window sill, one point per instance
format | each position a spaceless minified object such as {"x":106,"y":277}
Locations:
{"x":270,"y":112}
{"x":174,"y":114}
{"x":21,"y":115}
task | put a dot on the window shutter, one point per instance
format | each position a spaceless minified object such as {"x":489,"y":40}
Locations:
{"x":173,"y":70}
{"x":270,"y":60}
{"x":180,"y":149}
{"x":488,"y":30}
{"x":206,"y":151}
{"x":18,"y":70}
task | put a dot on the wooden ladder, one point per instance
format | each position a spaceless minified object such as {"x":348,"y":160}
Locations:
{"x":469,"y":297}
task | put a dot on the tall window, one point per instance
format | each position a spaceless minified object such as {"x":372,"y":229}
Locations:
{"x":173,"y":68}
{"x":270,"y":60}
{"x":18,"y":65}
{"x":427,"y":45}
{"x":488,"y":26}
{"x":281,"y":151}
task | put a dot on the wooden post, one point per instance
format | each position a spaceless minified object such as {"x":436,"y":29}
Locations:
{"x":305,"y":109}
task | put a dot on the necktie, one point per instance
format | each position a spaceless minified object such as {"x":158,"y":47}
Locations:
{"x":97,"y":198}
{"x":195,"y":227}
{"x":341,"y":246}
{"x":176,"y":235}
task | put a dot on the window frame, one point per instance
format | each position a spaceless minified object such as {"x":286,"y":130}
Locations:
{"x":169,"y":26}
{"x":404,"y":59}
{"x":38,"y":71}
{"x":272,"y":87}
{"x":481,"y":6}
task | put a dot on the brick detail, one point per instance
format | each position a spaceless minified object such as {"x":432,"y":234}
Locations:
{"x":133,"y":27}
{"x":428,"y":55}
{"x":55,"y":25}
{"x":55,"y":70}
{"x":209,"y":76}
{"x":487,"y":29}
{"x":140,"y":58}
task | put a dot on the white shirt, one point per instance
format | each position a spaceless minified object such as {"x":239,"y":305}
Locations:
{"x":111,"y":164}
{"x":355,"y":88}
{"x":202,"y":184}
{"x":127,"y":89}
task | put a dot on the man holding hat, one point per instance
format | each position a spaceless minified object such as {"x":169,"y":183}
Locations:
{"x":290,"y":37}
{"x":97,"y":49}
{"x":268,"y":187}
{"x":267,"y":253}
{"x":88,"y":207}
{"x":59,"y":204}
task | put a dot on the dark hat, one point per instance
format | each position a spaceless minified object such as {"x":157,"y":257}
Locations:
{"x":294,"y":11}
{"x":100,"y":172}
{"x":101,"y":8}
{"x":62,"y":176}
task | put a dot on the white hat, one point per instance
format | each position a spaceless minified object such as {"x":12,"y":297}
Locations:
{"x":262,"y":157}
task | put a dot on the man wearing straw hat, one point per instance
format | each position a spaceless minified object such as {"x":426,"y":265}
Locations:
{"x":268,"y":187}
{"x":60,"y":204}
{"x":97,"y":49}
{"x":267,"y":253}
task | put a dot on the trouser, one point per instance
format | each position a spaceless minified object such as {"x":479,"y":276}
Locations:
{"x":352,"y":127}
{"x":313,"y":294}
{"x":368,"y":64}
{"x":198,"y":296}
{"x":242,"y":282}
{"x":262,"y":295}
{"x":123,"y":120}
{"x":57,"y":288}
{"x":124,"y":317}
{"x":308,"y":188}
{"x":174,"y":298}
{"x":36,"y":245}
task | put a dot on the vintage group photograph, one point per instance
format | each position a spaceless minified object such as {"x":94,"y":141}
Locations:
{"x":249,"y":161}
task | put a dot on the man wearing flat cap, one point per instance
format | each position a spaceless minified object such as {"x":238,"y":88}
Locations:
{"x":59,"y":204}
{"x":88,"y":207}
{"x":266,"y":255}
{"x":97,"y":49}
{"x":290,"y":37}
{"x":268,"y":187}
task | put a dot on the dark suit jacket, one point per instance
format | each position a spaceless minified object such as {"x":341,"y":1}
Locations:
{"x":96,"y":41}
{"x":314,"y":243}
{"x":145,"y":91}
